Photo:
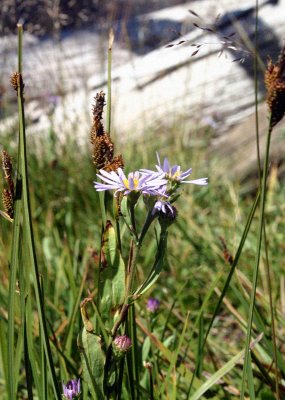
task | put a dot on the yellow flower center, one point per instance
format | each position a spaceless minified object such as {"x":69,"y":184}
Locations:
{"x":136,"y":183}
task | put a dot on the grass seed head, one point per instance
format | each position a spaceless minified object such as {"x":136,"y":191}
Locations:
{"x":16,"y":80}
{"x":7,"y":170}
{"x":275,"y":86}
{"x":103,"y":151}
{"x":117,"y":162}
{"x":6,"y":164}
{"x":97,"y":126}
{"x":7,"y":199}
{"x":103,"y":147}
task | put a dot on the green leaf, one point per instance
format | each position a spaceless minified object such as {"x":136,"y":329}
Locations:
{"x":125,"y":211}
{"x":157,"y":267}
{"x":92,"y":356}
{"x":112,"y":276}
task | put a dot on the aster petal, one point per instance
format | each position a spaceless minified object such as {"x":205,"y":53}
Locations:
{"x":174,"y":170}
{"x":186,"y":173}
{"x":107,"y":180}
{"x":131,"y":182}
{"x":121,"y":174}
{"x":147,"y":172}
{"x":201,"y":181}
{"x":110,"y":175}
{"x":158,"y":159}
{"x":102,"y":186}
{"x":166,"y":166}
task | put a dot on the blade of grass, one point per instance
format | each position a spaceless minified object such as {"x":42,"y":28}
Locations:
{"x":221,"y":372}
{"x":109,"y":102}
{"x":27,"y":223}
{"x":134,"y":349}
{"x":256,"y":266}
{"x":272,"y":317}
{"x":250,"y":381}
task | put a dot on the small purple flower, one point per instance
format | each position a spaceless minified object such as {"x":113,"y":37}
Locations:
{"x":71,"y":389}
{"x":122,"y":343}
{"x":136,"y":181}
{"x":152,"y":305}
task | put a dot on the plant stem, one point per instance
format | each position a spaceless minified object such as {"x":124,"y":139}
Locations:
{"x":131,"y":270}
{"x":256,"y":268}
{"x":28,"y":229}
{"x":111,"y":40}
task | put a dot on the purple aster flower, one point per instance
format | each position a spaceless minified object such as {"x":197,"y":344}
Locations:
{"x":152,"y":305}
{"x":136,"y":181}
{"x":174,"y":173}
{"x":71,"y":389}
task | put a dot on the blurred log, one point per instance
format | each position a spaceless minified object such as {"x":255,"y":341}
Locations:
{"x":236,"y":152}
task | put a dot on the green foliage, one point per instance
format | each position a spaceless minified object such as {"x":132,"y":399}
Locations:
{"x":195,"y":268}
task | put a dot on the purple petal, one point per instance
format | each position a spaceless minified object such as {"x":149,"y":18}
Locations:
{"x":166,"y":166}
{"x":131,"y":183}
{"x":186,"y":173}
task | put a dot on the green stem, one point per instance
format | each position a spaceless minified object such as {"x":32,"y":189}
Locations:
{"x":256,"y":268}
{"x":111,"y":39}
{"x":150,"y":217}
{"x":28,"y":230}
{"x":273,"y":331}
{"x":256,"y":91}
{"x":131,"y":270}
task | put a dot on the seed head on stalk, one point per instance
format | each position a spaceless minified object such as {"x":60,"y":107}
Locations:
{"x":275,"y":86}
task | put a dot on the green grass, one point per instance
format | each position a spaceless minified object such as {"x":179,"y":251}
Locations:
{"x":67,"y":228}
{"x":66,"y":292}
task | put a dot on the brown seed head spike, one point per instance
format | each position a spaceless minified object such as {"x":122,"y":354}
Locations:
{"x":103,"y":151}
{"x":6,"y":164}
{"x":7,"y":169}
{"x":275,"y":85}
{"x":97,"y":126}
{"x":16,"y":80}
{"x":116,"y":163}
{"x":8,"y":203}
{"x":103,"y":147}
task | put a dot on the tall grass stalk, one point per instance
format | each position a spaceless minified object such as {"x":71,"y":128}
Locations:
{"x":23,"y":224}
{"x":109,"y":100}
{"x":256,"y":67}
{"x":256,"y":267}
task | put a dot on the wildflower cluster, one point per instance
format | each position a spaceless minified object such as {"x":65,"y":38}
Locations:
{"x":161,"y":185}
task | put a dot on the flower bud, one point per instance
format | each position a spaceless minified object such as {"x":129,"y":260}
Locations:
{"x":168,"y":217}
{"x":121,"y":345}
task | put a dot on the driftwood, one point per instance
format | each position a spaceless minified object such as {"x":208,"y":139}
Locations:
{"x":236,"y":152}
